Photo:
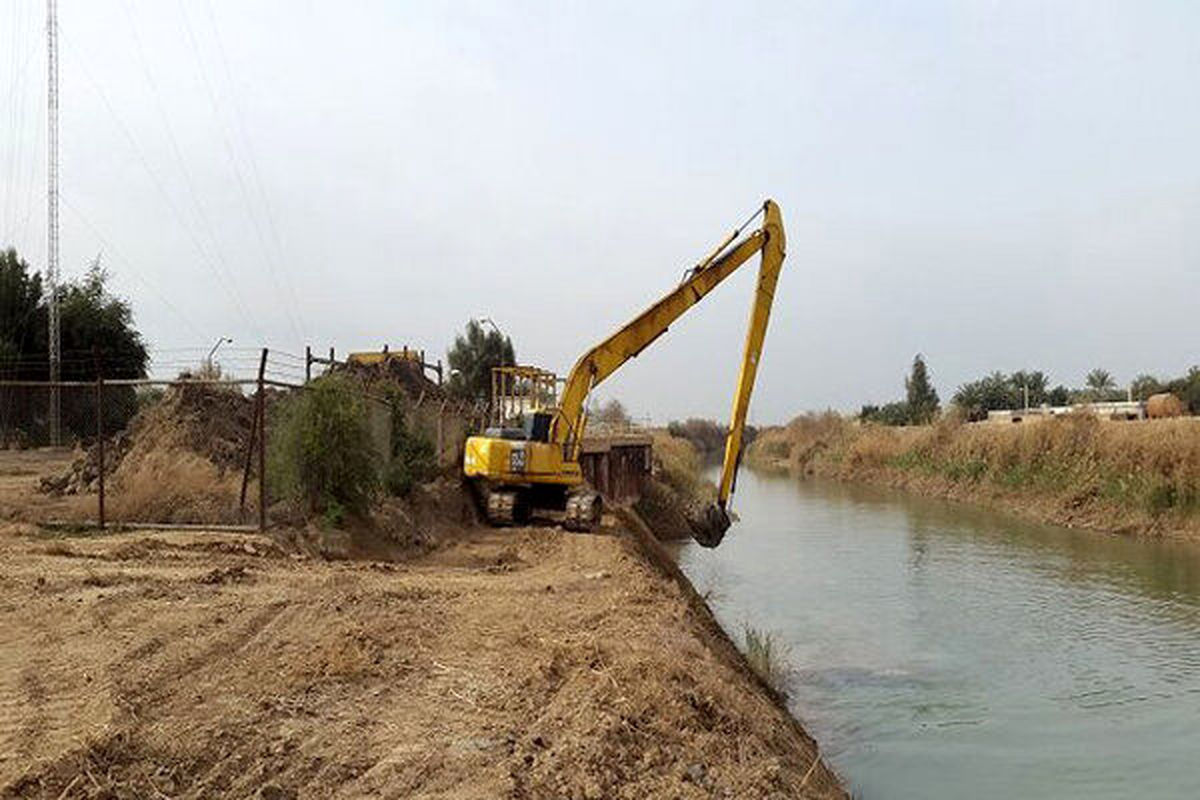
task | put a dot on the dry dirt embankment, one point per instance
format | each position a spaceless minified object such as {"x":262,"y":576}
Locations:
{"x":676,"y":488}
{"x":523,"y":663}
{"x":1125,"y":477}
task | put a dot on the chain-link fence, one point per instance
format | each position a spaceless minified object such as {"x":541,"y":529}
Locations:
{"x":188,"y":450}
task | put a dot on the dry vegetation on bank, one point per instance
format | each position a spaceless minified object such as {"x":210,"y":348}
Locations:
{"x":1129,"y":477}
{"x":676,"y":487}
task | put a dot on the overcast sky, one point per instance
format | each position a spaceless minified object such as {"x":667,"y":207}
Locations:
{"x":997,"y":185}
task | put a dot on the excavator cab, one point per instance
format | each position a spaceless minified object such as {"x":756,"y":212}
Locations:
{"x":516,"y":469}
{"x":537,"y":426}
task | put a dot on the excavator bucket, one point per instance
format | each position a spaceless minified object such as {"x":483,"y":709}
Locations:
{"x":709,"y":526}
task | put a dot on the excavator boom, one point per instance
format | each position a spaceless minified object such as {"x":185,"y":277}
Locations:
{"x":518,"y":471}
{"x":605,"y":358}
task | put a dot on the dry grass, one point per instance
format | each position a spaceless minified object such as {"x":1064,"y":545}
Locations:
{"x":175,"y":486}
{"x":679,"y":465}
{"x":1145,"y":473}
{"x":676,"y":488}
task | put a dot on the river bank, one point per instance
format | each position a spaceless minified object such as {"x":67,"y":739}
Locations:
{"x":1138,"y":478}
{"x":524,"y":663}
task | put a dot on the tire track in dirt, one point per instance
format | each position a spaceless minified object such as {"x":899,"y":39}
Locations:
{"x":140,"y":693}
{"x":14,"y":701}
{"x":49,"y":701}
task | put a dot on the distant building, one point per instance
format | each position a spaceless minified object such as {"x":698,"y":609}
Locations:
{"x":1114,"y":410}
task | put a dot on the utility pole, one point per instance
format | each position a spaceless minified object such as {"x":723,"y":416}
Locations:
{"x":55,"y":338}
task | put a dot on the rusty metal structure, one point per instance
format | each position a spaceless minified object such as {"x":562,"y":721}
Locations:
{"x":617,"y":466}
{"x":519,"y":390}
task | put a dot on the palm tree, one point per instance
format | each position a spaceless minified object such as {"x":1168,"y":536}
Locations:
{"x":1100,"y":384}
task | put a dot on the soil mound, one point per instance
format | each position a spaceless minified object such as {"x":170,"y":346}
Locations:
{"x":409,"y":376}
{"x":207,"y":421}
{"x":210,"y":421}
{"x":178,"y":461}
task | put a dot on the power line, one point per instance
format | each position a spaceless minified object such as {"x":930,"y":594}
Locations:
{"x":132,"y":270}
{"x":229,"y":151}
{"x":16,"y":105}
{"x":248,"y":143}
{"x":213,"y":265}
{"x":189,"y":183}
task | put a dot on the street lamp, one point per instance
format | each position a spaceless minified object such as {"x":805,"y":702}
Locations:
{"x":220,"y":341}
{"x":480,"y":321}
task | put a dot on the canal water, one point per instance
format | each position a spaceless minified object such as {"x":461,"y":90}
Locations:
{"x":940,"y":651}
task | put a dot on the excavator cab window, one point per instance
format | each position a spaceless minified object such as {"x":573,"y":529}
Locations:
{"x":537,"y":427}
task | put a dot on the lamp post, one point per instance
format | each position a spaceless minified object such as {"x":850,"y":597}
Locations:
{"x":499,"y":387}
{"x":220,"y":341}
{"x":480,"y":321}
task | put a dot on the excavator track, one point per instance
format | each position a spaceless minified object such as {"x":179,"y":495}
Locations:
{"x":583,"y":511}
{"x":501,"y":507}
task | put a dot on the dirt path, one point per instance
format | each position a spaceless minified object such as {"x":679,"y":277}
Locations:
{"x":526,"y":663}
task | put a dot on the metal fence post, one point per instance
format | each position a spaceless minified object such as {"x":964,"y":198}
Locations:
{"x":99,"y":433}
{"x":249,"y":458}
{"x":307,"y":363}
{"x":441,"y":441}
{"x":262,"y":445}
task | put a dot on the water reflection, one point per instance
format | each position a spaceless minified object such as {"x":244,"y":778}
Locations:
{"x":942,"y":650}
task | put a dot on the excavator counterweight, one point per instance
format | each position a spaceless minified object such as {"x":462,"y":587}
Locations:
{"x":538,"y":466}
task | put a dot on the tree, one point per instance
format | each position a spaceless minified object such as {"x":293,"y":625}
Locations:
{"x":612,"y":413}
{"x":706,"y":435}
{"x":896,"y":414}
{"x":990,"y":393}
{"x":1029,"y":386}
{"x":22,"y":320}
{"x":472,"y":357}
{"x":1059,"y":396}
{"x":1145,"y":385}
{"x":921,"y":396}
{"x":1100,"y":384}
{"x":1187,"y":389}
{"x":90,"y":318}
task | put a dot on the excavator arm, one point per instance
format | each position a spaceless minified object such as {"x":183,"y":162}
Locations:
{"x":605,"y":358}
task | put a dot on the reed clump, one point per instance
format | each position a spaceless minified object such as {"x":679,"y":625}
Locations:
{"x":768,"y":657}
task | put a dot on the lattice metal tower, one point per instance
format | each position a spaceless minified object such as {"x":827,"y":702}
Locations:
{"x":55,"y":339}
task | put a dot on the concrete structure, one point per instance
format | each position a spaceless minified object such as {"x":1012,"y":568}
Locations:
{"x":1113,"y":410}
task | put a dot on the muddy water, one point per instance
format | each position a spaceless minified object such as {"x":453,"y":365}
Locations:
{"x":940,"y":651}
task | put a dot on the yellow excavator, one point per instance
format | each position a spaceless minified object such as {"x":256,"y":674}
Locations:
{"x":518,"y":471}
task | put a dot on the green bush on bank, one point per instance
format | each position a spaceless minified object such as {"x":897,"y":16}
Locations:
{"x":414,"y":459}
{"x":320,"y":451}
{"x":321,"y":454}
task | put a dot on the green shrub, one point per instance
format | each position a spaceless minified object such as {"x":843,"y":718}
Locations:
{"x":413,"y":461}
{"x":320,"y":449}
{"x":414,"y":458}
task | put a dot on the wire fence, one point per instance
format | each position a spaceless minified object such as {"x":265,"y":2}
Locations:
{"x":189,"y":444}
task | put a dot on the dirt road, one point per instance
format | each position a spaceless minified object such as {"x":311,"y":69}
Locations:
{"x":522,"y":664}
